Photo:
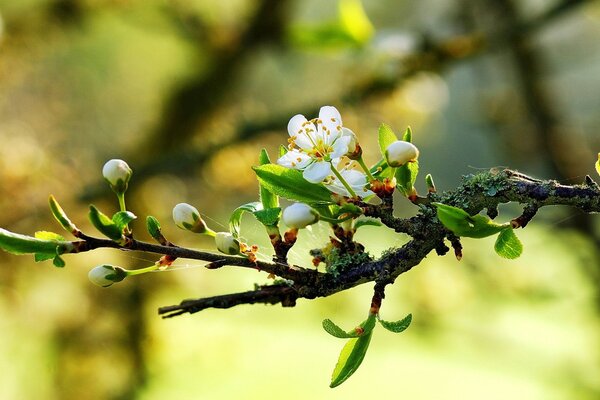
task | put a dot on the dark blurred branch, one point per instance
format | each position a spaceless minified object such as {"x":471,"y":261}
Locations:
{"x":428,"y":234}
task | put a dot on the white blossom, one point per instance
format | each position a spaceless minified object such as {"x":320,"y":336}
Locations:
{"x":299,"y":215}
{"x":401,"y":152}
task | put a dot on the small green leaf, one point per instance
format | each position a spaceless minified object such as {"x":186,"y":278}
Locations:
{"x":334,"y":330}
{"x":58,"y":262}
{"x":386,"y":137}
{"x":38,"y":257}
{"x":60,"y":215}
{"x":236,"y":216}
{"x":105,"y":225}
{"x":598,"y":164}
{"x":289,"y":183}
{"x":366,"y":222}
{"x":406,"y":176}
{"x":122,"y":218}
{"x":45,"y":235}
{"x":350,"y":358}
{"x":16,"y":243}
{"x":268,"y":217}
{"x":282,"y":150}
{"x":397,"y":326}
{"x":508,"y":244}
{"x":267,"y":198}
{"x":407,"y":137}
{"x":463,"y":224}
{"x":153,"y":227}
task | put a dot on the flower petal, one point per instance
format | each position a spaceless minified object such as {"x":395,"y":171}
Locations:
{"x":297,"y":129}
{"x":317,"y":172}
{"x":332,"y":123}
{"x":294,"y":159}
{"x":340,"y":146}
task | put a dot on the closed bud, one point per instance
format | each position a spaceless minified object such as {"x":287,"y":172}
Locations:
{"x":226,"y":243}
{"x":187,"y":217}
{"x":117,"y":173}
{"x":400,"y":152}
{"x":105,"y":275}
{"x":354,"y":149}
{"x":299,"y":215}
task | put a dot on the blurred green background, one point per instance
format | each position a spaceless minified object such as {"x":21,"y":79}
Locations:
{"x":188,"y":92}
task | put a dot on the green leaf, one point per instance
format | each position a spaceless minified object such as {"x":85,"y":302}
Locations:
{"x":355,"y":21}
{"x":407,"y":137}
{"x":39,"y":257}
{"x":45,"y":235}
{"x":60,"y":215}
{"x":406,"y":176}
{"x":282,"y":150}
{"x":598,"y":164}
{"x":58,"y":262}
{"x":463,"y":224}
{"x":334,"y":330}
{"x":350,"y":358}
{"x":386,"y":137}
{"x":289,"y":183}
{"x":105,"y":225}
{"x":16,"y":243}
{"x":236,"y":216}
{"x":267,"y":198}
{"x":366,"y":222}
{"x":153,"y":227}
{"x":508,"y":244}
{"x":268,"y":217}
{"x":122,"y":218}
{"x":397,"y":326}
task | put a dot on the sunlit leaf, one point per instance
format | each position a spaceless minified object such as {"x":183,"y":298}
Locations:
{"x":397,"y":326}
{"x":508,"y":244}
{"x":334,"y":330}
{"x":16,"y":243}
{"x":366,"y":222}
{"x":463,"y":224}
{"x":267,"y":198}
{"x":236,"y":217}
{"x":289,"y":183}
{"x":598,"y":164}
{"x":104,"y":224}
{"x":268,"y":217}
{"x":122,"y":218}
{"x":355,"y":20}
{"x":350,"y":358}
{"x":60,"y":215}
{"x":407,"y":137}
{"x":385,"y":138}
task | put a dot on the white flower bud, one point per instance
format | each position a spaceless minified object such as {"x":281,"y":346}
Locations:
{"x":400,"y":152}
{"x":117,"y":173}
{"x":354,"y":149}
{"x":299,"y":215}
{"x":187,"y":217}
{"x":226,"y":243}
{"x":105,"y":275}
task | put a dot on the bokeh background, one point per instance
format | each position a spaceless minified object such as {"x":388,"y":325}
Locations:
{"x":188,"y":92}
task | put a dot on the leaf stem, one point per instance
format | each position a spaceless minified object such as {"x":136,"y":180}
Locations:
{"x":131,"y":272}
{"x":362,"y":164}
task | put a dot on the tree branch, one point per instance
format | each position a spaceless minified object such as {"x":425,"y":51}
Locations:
{"x":476,"y":193}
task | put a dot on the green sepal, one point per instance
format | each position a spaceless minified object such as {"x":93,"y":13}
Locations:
{"x":268,"y":217}
{"x":406,"y":176}
{"x":122,"y":218}
{"x":16,"y":243}
{"x":290,"y":184}
{"x":508,"y":244}
{"x":60,"y":215}
{"x":104,"y":224}
{"x":598,"y":164}
{"x":236,"y":216}
{"x":463,"y":224}
{"x":366,"y":222}
{"x":267,"y":198}
{"x":386,"y":136}
{"x":397,"y":326}
{"x":153,"y":227}
{"x":351,"y":356}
